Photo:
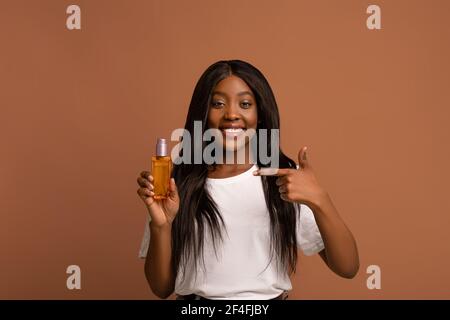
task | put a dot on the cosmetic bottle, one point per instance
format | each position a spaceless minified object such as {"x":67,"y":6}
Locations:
{"x":161,"y":170}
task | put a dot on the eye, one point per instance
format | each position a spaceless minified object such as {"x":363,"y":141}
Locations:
{"x":246,"y":104}
{"x":217,"y":104}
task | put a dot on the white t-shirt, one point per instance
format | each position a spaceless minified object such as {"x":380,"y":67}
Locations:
{"x":239,"y":269}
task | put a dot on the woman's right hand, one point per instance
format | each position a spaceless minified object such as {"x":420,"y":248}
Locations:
{"x":162,"y":211}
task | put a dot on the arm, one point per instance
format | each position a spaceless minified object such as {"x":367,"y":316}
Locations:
{"x":158,"y":264}
{"x":301,"y":186}
{"x":340,"y":253}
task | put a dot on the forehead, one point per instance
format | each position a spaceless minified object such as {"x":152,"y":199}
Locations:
{"x":232,"y":86}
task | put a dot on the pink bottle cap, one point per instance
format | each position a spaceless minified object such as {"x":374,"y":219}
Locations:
{"x":161,"y":148}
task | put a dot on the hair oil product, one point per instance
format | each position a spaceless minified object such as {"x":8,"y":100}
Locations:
{"x":161,"y":170}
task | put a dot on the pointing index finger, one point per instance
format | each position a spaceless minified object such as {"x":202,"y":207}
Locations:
{"x":270,"y":172}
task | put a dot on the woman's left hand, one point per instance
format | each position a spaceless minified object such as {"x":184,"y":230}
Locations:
{"x":297,"y":185}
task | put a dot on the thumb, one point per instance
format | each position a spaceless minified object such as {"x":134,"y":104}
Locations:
{"x":302,"y":159}
{"x":173,"y":190}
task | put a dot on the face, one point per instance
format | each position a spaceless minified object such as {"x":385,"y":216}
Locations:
{"x":233,"y":111}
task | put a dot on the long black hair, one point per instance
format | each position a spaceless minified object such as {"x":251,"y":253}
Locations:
{"x":198,"y":212}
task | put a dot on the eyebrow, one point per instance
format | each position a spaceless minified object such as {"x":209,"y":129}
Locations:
{"x":242,"y":93}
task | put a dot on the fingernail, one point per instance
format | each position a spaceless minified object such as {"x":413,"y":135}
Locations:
{"x":268,"y":171}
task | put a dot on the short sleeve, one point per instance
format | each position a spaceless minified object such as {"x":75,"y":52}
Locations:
{"x":145,"y":239}
{"x":309,"y":238}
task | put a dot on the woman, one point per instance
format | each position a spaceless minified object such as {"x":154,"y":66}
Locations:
{"x":228,"y":230}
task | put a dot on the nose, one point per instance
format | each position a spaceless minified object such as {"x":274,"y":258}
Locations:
{"x":231,"y":112}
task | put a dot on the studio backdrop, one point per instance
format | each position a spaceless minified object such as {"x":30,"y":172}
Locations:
{"x":86,"y":87}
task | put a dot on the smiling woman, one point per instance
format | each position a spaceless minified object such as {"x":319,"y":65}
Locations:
{"x":233,"y":122}
{"x":228,"y":230}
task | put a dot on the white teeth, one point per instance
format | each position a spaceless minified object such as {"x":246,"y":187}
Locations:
{"x":233,"y":130}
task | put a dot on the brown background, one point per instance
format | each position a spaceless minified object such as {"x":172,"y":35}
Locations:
{"x":80,"y":112}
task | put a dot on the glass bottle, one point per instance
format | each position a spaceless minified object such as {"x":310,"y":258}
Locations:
{"x":161,"y":170}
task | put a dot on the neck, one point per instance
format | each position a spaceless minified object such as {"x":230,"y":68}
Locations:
{"x":233,"y":164}
{"x":239,"y":157}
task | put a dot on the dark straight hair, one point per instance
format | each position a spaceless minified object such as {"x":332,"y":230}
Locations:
{"x":198,"y":212}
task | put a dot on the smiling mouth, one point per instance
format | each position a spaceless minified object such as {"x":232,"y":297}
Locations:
{"x":232,"y":132}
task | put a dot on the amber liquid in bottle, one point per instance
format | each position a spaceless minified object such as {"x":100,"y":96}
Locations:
{"x":161,"y":170}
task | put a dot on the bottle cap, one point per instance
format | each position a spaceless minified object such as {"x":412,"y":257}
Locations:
{"x":161,"y":148}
